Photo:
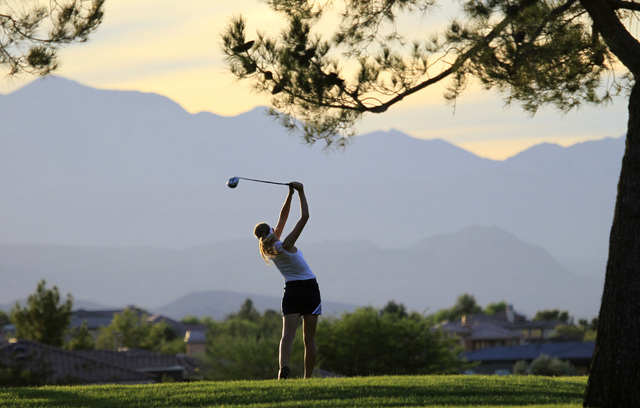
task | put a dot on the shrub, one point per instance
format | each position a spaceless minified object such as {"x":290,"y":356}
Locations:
{"x":546,"y":366}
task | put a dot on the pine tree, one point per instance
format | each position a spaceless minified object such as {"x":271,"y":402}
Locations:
{"x":44,"y":318}
{"x":562,"y":53}
{"x":30,"y":35}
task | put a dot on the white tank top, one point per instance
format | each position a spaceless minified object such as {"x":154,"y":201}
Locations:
{"x":291,"y":266}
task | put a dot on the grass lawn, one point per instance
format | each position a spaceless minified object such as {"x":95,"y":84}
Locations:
{"x":414,"y":391}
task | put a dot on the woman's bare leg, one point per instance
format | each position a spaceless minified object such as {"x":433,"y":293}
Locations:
{"x":310,"y":322}
{"x":289,"y":324}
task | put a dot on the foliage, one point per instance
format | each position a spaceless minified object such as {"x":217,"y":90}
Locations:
{"x":561,"y":53}
{"x":521,"y":368}
{"x":30,"y":35}
{"x":533,"y":52}
{"x":396,"y":309}
{"x":197,"y":320}
{"x":130,"y":329}
{"x":357,"y":392}
{"x":545,"y":366}
{"x":367,"y":342}
{"x":43,"y":318}
{"x":493,"y":308}
{"x":584,"y":330}
{"x":561,"y":316}
{"x":4,"y":318}
{"x":466,"y":305}
{"x":191,"y":320}
{"x":25,"y":370}
{"x":245,"y":346}
{"x":81,"y":339}
{"x":247,"y":312}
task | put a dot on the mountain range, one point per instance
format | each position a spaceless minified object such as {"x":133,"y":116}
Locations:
{"x":427,"y":276}
{"x":120,"y":196}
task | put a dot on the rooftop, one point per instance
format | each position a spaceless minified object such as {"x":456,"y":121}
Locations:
{"x":582,"y":350}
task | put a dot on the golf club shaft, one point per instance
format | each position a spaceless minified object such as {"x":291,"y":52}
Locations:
{"x":264,"y":181}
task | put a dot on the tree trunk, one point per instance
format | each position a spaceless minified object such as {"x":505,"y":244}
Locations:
{"x":614,"y":380}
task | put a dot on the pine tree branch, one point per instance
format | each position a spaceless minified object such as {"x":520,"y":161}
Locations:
{"x":453,"y":68}
{"x":623,"y":4}
{"x":614,"y":33}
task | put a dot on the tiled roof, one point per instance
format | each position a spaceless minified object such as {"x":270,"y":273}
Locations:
{"x":100,"y":318}
{"x":487,"y":332}
{"x":98,"y":366}
{"x":482,"y":327}
{"x":144,"y":360}
{"x":66,"y":366}
{"x":563,"y":351}
{"x":95,"y":318}
{"x":181,"y":328}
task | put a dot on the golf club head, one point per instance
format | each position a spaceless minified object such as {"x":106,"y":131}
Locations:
{"x":233,"y":182}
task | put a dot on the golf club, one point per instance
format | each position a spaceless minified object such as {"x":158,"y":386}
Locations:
{"x":233,"y":181}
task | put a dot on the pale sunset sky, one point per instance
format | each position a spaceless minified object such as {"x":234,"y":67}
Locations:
{"x":173,"y":49}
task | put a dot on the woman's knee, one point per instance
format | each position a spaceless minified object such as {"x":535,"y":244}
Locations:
{"x":309,"y":342}
{"x":309,"y":338}
{"x":288,"y":336}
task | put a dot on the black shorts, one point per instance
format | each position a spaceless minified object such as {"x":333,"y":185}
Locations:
{"x":301,"y":297}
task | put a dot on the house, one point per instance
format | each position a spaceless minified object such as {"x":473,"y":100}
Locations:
{"x":503,"y":329}
{"x":57,"y":366}
{"x":178,"y":327}
{"x":160,"y":367}
{"x":96,"y":319}
{"x":7,"y":331}
{"x":502,"y":359}
{"x":196,"y":343}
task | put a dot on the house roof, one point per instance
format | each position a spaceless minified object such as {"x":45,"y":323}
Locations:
{"x":101,"y":318}
{"x":488,"y":332}
{"x":181,"y":328}
{"x":96,"y":366}
{"x":563,"y":351}
{"x":65,"y":366}
{"x":94,"y":318}
{"x":481,"y":327}
{"x":142,"y":360}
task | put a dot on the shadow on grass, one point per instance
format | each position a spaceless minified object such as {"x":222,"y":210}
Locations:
{"x":377,"y":391}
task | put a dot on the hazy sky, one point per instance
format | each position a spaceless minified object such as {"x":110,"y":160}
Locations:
{"x":173,"y":48}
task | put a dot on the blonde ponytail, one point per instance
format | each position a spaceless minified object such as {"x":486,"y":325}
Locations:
{"x":267,"y":239}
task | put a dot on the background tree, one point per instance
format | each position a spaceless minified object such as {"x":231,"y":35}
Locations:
{"x":31,"y":33}
{"x":495,"y":307}
{"x":393,"y":308}
{"x":367,"y":342}
{"x":466,"y":305}
{"x":247,"y":312}
{"x":130,"y":329}
{"x":4,"y":318}
{"x":81,"y":338}
{"x":545,"y":365}
{"x":552,"y":52}
{"x":555,"y":314}
{"x":584,"y":330}
{"x":44,"y":318}
{"x":243,"y":347}
{"x":190,"y":319}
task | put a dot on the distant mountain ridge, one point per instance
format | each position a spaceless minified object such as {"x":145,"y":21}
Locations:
{"x":219,"y":304}
{"x":484,"y":261}
{"x":92,"y":168}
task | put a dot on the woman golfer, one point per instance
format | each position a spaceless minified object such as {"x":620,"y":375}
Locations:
{"x":301,"y":293}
